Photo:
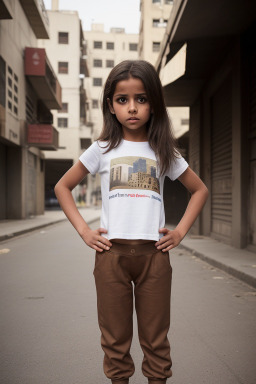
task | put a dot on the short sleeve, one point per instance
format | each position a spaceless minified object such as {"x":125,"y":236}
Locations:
{"x":178,"y":166}
{"x":91,"y":158}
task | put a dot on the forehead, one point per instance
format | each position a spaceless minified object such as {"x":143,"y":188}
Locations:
{"x":131,"y":85}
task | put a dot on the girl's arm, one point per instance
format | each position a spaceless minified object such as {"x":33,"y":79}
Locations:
{"x":63,"y":193}
{"x":199,"y":194}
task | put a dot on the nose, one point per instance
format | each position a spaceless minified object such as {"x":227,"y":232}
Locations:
{"x":132,"y":107}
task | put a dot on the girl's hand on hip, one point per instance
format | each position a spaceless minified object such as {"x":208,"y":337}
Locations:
{"x":170,"y":239}
{"x":94,"y":240}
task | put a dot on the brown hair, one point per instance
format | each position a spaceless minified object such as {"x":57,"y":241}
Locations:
{"x":159,"y":130}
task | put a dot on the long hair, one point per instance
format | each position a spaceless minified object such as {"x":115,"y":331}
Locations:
{"x":159,"y":130}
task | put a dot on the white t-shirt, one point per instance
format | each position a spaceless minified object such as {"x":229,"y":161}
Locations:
{"x":131,"y":189}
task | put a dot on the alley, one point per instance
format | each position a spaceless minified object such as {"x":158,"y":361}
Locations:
{"x":48,"y":318}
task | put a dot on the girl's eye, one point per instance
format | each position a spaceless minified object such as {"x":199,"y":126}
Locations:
{"x":142,"y":100}
{"x":121,"y":100}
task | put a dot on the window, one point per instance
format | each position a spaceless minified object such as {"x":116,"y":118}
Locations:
{"x":63,"y":37}
{"x":97,"y":63}
{"x":156,"y":1}
{"x":170,"y":2}
{"x":184,"y":121}
{"x":156,"y":46}
{"x":63,"y":67}
{"x":110,"y":45}
{"x":95,"y":104}
{"x":64,"y":108}
{"x":2,"y":82}
{"x":156,"y":22}
{"x":12,"y":91}
{"x":97,"y":81}
{"x":97,"y":44}
{"x":62,"y":122}
{"x":133,"y":47}
{"x":110,"y":63}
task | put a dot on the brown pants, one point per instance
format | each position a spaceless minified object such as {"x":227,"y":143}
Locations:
{"x":150,"y":271}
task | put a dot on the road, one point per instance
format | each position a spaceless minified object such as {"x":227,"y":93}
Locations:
{"x":48,"y":318}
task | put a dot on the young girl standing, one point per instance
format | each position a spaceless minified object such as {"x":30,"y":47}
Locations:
{"x":133,"y":154}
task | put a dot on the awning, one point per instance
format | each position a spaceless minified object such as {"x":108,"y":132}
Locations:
{"x":37,"y":17}
{"x":43,"y":136}
{"x":42,"y":77}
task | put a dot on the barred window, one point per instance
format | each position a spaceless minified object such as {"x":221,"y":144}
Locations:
{"x":110,"y":63}
{"x":63,"y":37}
{"x":97,"y":63}
{"x":63,"y":67}
{"x":110,"y":45}
{"x":133,"y":47}
{"x":97,"y":44}
{"x":62,"y":122}
{"x":97,"y":81}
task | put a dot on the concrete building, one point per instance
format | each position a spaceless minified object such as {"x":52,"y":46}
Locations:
{"x":153,"y":21}
{"x":104,"y":50}
{"x":216,"y":47}
{"x":29,"y":89}
{"x":155,"y":15}
{"x":67,"y":52}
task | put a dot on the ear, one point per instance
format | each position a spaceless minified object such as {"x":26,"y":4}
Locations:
{"x":110,"y":106}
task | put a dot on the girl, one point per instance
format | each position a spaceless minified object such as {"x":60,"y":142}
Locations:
{"x":133,"y":154}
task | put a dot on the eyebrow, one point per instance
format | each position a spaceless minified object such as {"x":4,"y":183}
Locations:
{"x":136,"y":94}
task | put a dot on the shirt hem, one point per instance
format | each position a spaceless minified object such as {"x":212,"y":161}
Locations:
{"x":131,"y":236}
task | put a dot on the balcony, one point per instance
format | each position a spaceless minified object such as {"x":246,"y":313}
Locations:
{"x":42,"y":77}
{"x":37,"y":17}
{"x":43,"y":136}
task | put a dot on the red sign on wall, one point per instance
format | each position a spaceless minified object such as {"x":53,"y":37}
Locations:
{"x":40,"y":134}
{"x":35,"y":61}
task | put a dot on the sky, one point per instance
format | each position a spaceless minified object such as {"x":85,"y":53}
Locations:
{"x":111,"y":13}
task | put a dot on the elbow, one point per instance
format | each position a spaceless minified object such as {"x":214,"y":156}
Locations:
{"x":205,"y":193}
{"x":56,"y":189}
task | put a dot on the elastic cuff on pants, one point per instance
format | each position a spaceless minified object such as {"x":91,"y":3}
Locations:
{"x":125,"y":381}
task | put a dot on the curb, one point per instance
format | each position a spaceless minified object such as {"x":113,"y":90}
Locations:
{"x":250,"y":280}
{"x":10,"y":236}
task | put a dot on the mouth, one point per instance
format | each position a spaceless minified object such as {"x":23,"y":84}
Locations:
{"x":133,"y":119}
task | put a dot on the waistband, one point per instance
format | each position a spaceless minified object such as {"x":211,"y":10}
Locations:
{"x":133,"y":249}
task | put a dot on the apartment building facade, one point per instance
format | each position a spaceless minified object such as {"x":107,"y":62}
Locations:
{"x":29,"y":90}
{"x":104,"y":51}
{"x":67,"y":52}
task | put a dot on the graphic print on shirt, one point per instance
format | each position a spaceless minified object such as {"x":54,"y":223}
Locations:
{"x":133,"y":172}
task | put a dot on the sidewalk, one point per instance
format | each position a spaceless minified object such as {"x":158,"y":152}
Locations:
{"x":11,"y":228}
{"x":237,"y":262}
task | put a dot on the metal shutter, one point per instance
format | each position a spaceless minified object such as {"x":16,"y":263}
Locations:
{"x":252,"y":149}
{"x":221,"y":162}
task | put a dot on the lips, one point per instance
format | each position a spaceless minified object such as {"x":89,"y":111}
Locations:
{"x":133,"y":118}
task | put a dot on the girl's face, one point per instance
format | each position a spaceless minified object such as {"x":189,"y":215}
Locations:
{"x":130,"y":105}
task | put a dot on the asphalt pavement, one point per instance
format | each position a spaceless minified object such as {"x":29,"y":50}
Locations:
{"x":240,"y":263}
{"x":48,"y":319}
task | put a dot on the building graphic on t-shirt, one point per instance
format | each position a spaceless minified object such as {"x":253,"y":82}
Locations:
{"x":133,"y":172}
